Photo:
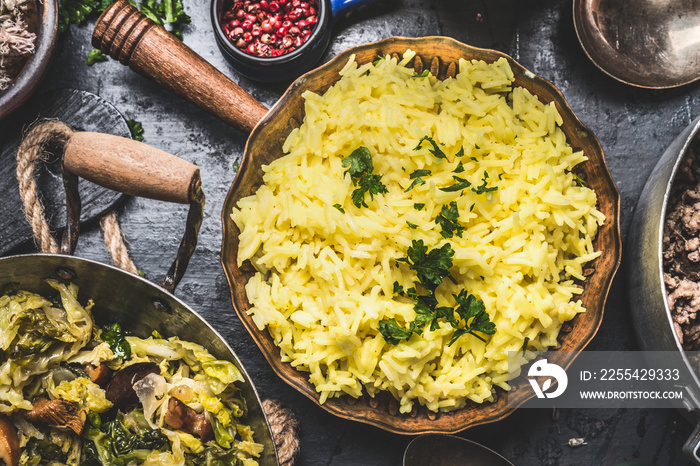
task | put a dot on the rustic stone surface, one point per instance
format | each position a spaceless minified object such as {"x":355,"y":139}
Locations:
{"x":634,"y":127}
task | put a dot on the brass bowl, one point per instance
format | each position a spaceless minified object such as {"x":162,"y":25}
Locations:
{"x":265,"y":145}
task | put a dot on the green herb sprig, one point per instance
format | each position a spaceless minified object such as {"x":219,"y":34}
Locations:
{"x":436,"y":151}
{"x":360,"y":168}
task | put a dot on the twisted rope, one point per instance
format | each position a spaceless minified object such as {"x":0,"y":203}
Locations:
{"x":284,"y":426}
{"x":30,"y":151}
{"x":116,"y":244}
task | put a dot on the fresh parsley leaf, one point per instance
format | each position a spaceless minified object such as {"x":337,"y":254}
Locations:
{"x":436,"y":151}
{"x":431,"y":266}
{"x":474,"y":159}
{"x":459,"y":169}
{"x":393,"y":333}
{"x":424,"y":74}
{"x":368,"y":184}
{"x":500,"y":176}
{"x":448,"y":219}
{"x":579,"y":180}
{"x":358,"y":163}
{"x":113,"y":335}
{"x":94,"y":56}
{"x":398,"y":289}
{"x":416,"y":177}
{"x":236,"y":166}
{"x":473,"y":312}
{"x":460,"y":184}
{"x":339,"y":207}
{"x":418,"y":206}
{"x":481,"y":189}
{"x":525,"y":343}
{"x":136,"y":129}
{"x":476,"y":146}
{"x":460,"y":153}
{"x":379,"y":58}
{"x":412,"y":226}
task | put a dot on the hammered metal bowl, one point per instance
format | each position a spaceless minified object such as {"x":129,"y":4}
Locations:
{"x":441,"y":55}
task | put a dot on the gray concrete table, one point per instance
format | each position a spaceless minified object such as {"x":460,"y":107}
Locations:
{"x":634,"y":127}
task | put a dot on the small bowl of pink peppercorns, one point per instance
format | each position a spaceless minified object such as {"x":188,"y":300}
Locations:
{"x":275,"y":40}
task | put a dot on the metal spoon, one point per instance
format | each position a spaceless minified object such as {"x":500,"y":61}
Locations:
{"x":449,"y":450}
{"x":653,"y":44}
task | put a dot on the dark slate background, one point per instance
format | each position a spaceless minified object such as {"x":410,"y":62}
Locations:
{"x":634,"y":127}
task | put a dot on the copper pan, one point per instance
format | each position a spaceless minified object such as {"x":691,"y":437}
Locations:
{"x":128,"y":36}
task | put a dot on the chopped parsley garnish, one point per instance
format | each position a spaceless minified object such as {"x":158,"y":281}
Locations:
{"x":579,"y":180}
{"x":236,"y":166}
{"x":339,"y":207}
{"x":459,"y":169}
{"x":436,"y":151}
{"x":416,"y":176}
{"x":424,"y":74}
{"x":360,"y":168}
{"x":460,"y":153}
{"x":431,"y":266}
{"x":418,"y":206}
{"x":481,"y":189}
{"x":379,"y":58}
{"x":412,"y":226}
{"x":473,"y":312}
{"x":113,"y":335}
{"x":136,"y":129}
{"x":468,"y":317}
{"x":448,"y":219}
{"x":474,"y":159}
{"x":525,"y":343}
{"x":460,"y":184}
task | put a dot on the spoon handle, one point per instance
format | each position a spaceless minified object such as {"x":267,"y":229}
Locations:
{"x":127,"y":35}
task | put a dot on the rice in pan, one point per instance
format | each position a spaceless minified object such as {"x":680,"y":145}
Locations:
{"x":416,"y":232}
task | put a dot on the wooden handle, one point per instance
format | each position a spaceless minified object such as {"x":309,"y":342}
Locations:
{"x":127,"y":35}
{"x":130,"y":167}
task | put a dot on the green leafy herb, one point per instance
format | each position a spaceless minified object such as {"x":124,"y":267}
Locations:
{"x":398,"y":289}
{"x":136,"y":129}
{"x":525,"y":343}
{"x":418,"y":206}
{"x":412,"y":226}
{"x":448,"y":219}
{"x":436,"y":151}
{"x":339,"y":207}
{"x":474,"y":159}
{"x":368,"y":184}
{"x":481,"y":189}
{"x":460,"y":184}
{"x":416,"y":176}
{"x":358,"y":163}
{"x":500,"y":176}
{"x":431,"y":266}
{"x":76,"y":11}
{"x":579,"y":180}
{"x":460,"y":153}
{"x":473,"y":313}
{"x":476,"y":146}
{"x":424,"y":74}
{"x":360,"y":168}
{"x":141,"y":273}
{"x":236,"y":165}
{"x":94,"y":56}
{"x":459,"y":169}
{"x":112,"y":334}
{"x":393,"y":333}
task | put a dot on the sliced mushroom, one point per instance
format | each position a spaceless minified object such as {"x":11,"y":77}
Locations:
{"x":57,"y":413}
{"x":182,"y":417}
{"x":120,"y":390}
{"x":9,"y":443}
{"x":99,"y":374}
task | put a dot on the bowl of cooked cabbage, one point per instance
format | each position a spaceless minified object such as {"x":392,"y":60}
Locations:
{"x":99,"y":366}
{"x":405,"y":217}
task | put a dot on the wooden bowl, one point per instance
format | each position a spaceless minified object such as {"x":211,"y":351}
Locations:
{"x":265,"y":145}
{"x":29,"y":78}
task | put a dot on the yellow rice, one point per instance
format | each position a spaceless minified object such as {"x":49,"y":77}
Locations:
{"x":326,"y":278}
